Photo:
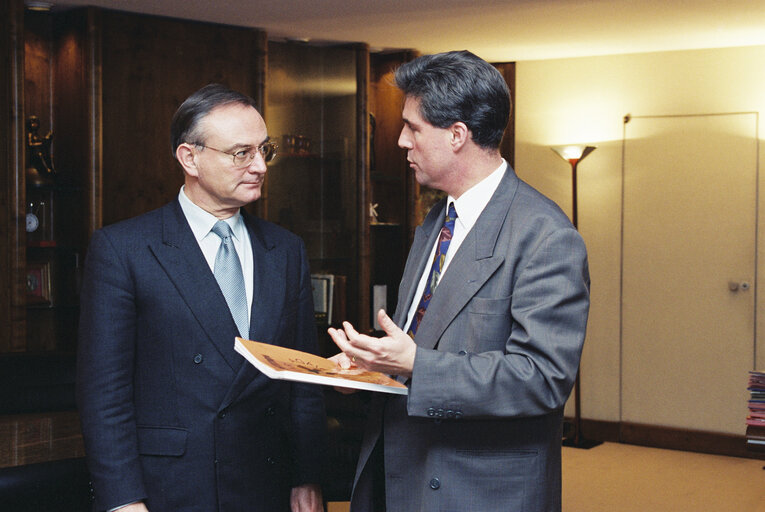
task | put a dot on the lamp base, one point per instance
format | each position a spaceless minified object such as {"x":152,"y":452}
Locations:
{"x":582,"y":443}
{"x":573,"y":439}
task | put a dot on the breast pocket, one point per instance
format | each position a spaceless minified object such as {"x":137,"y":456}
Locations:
{"x":490,"y":321}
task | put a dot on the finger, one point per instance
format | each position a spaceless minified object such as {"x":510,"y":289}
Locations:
{"x":338,"y":336}
{"x":358,"y":341}
{"x":344,"y":344}
{"x":350,"y":331}
{"x":342,"y":360}
{"x":388,"y":325}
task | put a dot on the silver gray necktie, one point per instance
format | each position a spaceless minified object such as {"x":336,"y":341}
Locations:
{"x":228,"y":273}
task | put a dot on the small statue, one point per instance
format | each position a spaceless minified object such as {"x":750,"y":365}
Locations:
{"x":39,"y":161}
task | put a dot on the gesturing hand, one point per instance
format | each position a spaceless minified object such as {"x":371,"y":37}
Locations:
{"x":392,"y":354}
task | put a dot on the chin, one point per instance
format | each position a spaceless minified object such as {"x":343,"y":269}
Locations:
{"x":252,"y":192}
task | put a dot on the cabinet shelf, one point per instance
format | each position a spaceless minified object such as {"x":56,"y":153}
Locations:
{"x":55,"y":187}
{"x":298,"y":155}
{"x":43,"y":244}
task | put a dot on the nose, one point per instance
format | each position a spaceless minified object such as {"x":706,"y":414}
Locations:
{"x":258,"y":164}
{"x":404,"y":140}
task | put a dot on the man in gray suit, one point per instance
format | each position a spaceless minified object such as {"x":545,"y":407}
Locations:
{"x":491,"y":316}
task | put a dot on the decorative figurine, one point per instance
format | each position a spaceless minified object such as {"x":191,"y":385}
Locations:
{"x":39,"y":161}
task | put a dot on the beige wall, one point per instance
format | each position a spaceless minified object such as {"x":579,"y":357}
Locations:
{"x":584,"y":100}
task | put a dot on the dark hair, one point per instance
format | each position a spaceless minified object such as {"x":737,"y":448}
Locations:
{"x":459,"y":86}
{"x":185,"y":124}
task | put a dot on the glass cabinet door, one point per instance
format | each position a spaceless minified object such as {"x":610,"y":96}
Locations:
{"x":312,"y":185}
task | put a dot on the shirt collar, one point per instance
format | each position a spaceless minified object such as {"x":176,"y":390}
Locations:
{"x":201,"y":221}
{"x":471,"y":203}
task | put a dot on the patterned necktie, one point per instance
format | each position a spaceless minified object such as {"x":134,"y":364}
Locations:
{"x":444,"y":238}
{"x":228,"y":273}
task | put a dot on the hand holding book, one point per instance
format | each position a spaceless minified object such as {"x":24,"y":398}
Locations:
{"x":288,"y":364}
{"x":392,"y":354}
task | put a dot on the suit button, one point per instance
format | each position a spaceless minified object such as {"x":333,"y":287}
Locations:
{"x":270,"y":411}
{"x":198,"y":358}
{"x":458,"y":415}
{"x":271,"y":460}
{"x":450,"y":413}
{"x":435,"y":483}
{"x":431,"y":412}
{"x":222,"y":414}
{"x":440,"y":413}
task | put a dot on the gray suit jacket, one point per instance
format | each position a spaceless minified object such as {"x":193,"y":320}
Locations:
{"x":498,"y":351}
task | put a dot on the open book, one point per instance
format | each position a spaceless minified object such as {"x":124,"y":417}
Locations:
{"x":288,"y":364}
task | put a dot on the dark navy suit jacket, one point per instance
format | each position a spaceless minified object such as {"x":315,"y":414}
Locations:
{"x":171,"y":414}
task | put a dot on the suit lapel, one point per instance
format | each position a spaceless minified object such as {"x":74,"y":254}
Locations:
{"x":183,"y":261}
{"x":269,"y":282}
{"x":473,"y":264}
{"x":424,"y":238}
{"x":268,"y":288}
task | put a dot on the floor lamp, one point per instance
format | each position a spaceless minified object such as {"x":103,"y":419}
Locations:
{"x":573,"y":155}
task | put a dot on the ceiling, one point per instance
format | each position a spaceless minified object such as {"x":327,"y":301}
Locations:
{"x":497,"y":30}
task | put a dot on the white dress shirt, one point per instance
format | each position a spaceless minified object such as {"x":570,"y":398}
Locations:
{"x":201,"y":223}
{"x":468,"y":207}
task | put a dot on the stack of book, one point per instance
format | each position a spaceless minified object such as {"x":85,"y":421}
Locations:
{"x":755,"y":422}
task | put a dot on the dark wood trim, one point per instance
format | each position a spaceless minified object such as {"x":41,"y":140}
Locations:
{"x":363,"y":186}
{"x":507,"y":147}
{"x":77,"y":111}
{"x":93,"y":78}
{"x":600,"y":430}
{"x":669,"y":438}
{"x":40,"y":438}
{"x":687,"y":440}
{"x":12,"y":154}
{"x":259,"y":94}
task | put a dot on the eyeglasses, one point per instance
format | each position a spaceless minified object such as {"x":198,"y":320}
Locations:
{"x":244,"y":157}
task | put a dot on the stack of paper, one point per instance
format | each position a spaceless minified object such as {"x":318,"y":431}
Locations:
{"x":755,"y":422}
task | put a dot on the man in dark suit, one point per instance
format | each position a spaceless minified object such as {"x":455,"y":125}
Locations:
{"x":173,"y":418}
{"x":495,"y":295}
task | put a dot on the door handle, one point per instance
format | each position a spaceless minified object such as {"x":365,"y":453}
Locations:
{"x":735,"y":286}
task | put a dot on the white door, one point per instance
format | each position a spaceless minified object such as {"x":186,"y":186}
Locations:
{"x":690,"y":197}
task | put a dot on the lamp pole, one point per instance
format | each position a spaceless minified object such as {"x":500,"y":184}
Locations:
{"x":573,"y":155}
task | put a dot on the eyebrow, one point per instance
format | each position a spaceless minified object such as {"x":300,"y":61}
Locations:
{"x":248,"y":146}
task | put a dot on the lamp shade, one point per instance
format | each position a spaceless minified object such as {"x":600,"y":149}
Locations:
{"x":573,"y":153}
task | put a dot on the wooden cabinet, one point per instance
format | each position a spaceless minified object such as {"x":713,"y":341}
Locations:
{"x":149,"y":66}
{"x":46,"y":173}
{"x":106,"y":84}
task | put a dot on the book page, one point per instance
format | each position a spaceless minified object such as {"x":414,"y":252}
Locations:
{"x":289,"y":364}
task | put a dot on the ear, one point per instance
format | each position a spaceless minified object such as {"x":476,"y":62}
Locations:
{"x":459,"y":135}
{"x":184,"y":153}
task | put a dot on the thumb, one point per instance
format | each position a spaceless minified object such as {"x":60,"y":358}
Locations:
{"x":387,"y":324}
